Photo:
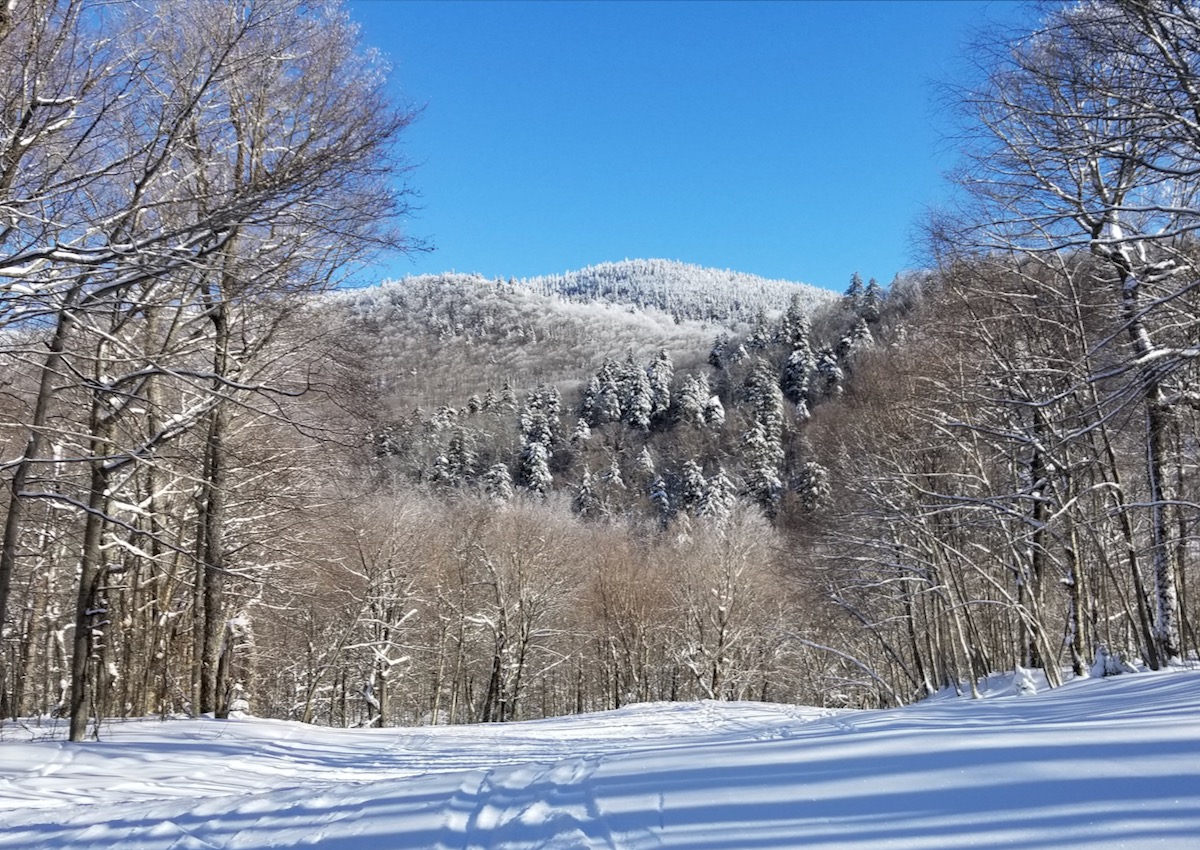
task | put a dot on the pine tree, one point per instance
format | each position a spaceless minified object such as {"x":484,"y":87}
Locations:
{"x":691,"y":488}
{"x":461,"y":456}
{"x":645,"y":465}
{"x":582,"y":432}
{"x":717,"y":355}
{"x":636,"y":396}
{"x":797,"y":374}
{"x":830,"y":373}
{"x":714,"y":412}
{"x":872,"y":301}
{"x":497,"y":483}
{"x":719,"y":497}
{"x":762,"y":445}
{"x":661,"y":501}
{"x":508,"y":396}
{"x":854,"y":293}
{"x":794,"y":327}
{"x":815,"y":488}
{"x":660,"y":373}
{"x":762,"y":470}
{"x":612,"y":477}
{"x":693,"y":396}
{"x":586,"y":502}
{"x":606,"y":403}
{"x":535,"y":468}
{"x":760,"y":336}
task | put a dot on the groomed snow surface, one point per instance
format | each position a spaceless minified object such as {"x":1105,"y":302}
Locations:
{"x":1099,"y":763}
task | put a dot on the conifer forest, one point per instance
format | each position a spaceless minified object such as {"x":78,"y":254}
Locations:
{"x":231,"y":484}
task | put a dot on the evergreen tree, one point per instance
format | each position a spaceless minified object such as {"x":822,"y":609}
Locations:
{"x":612,"y":477}
{"x":719,"y":497}
{"x":660,"y":374}
{"x":717,"y":355}
{"x":582,"y":432}
{"x":535,"y":468}
{"x":497,"y":483}
{"x":762,"y":469}
{"x":714,"y":412}
{"x":589,"y":401}
{"x":854,"y":293}
{"x":760,"y":335}
{"x":794,"y":327}
{"x":797,"y":373}
{"x":815,"y":488}
{"x":661,"y":501}
{"x":636,"y":396}
{"x":693,"y":396}
{"x":691,"y":488}
{"x":645,"y":465}
{"x":508,"y":396}
{"x":830,"y":373}
{"x":766,"y":402}
{"x":606,"y":404}
{"x":461,"y":456}
{"x":586,"y":502}
{"x":872,"y":301}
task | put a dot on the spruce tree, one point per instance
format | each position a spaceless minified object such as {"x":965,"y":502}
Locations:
{"x":586,"y":502}
{"x":660,"y":373}
{"x":497,"y":483}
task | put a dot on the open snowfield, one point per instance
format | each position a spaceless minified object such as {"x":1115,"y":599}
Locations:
{"x":1099,"y":764}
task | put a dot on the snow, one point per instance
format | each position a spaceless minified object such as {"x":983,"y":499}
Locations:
{"x":1099,"y":763}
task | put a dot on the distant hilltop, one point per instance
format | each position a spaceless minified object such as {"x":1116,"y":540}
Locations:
{"x":682,"y":290}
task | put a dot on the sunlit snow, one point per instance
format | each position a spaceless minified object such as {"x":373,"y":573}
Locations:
{"x":1100,"y":764}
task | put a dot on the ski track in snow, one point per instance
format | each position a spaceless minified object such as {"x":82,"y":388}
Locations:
{"x":1096,"y":764}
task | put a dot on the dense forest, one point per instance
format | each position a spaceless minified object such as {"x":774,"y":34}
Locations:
{"x":231,"y":486}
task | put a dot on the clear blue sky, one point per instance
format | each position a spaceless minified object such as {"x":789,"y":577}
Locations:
{"x":794,"y":140}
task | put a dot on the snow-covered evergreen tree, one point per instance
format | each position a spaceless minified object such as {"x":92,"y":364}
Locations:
{"x":586,"y":502}
{"x":693,"y":397}
{"x":660,"y":373}
{"x":763,"y":484}
{"x":718,"y":354}
{"x":854,"y":293}
{"x":535,"y":468}
{"x":872,"y":301}
{"x":815,"y":488}
{"x":612,"y":476}
{"x":636,"y":396}
{"x":645,"y":465}
{"x":691,"y":488}
{"x":719,"y":497}
{"x":661,"y":499}
{"x":497,"y":483}
{"x":714,"y":412}
{"x":830,"y":373}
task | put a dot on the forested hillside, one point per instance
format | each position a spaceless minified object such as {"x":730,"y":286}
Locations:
{"x":229,"y":486}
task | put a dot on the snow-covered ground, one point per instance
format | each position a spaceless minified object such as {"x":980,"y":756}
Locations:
{"x":1102,"y":763}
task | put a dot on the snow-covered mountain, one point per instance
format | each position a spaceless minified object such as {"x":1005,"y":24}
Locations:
{"x":439,"y":338}
{"x":682,"y":290}
{"x":1102,"y":763}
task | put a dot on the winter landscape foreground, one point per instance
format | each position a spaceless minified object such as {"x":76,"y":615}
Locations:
{"x":1098,"y":763}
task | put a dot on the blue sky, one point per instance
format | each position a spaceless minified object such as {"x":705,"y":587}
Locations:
{"x":794,"y":140}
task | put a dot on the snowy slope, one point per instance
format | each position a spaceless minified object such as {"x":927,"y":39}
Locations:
{"x":1100,"y":764}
